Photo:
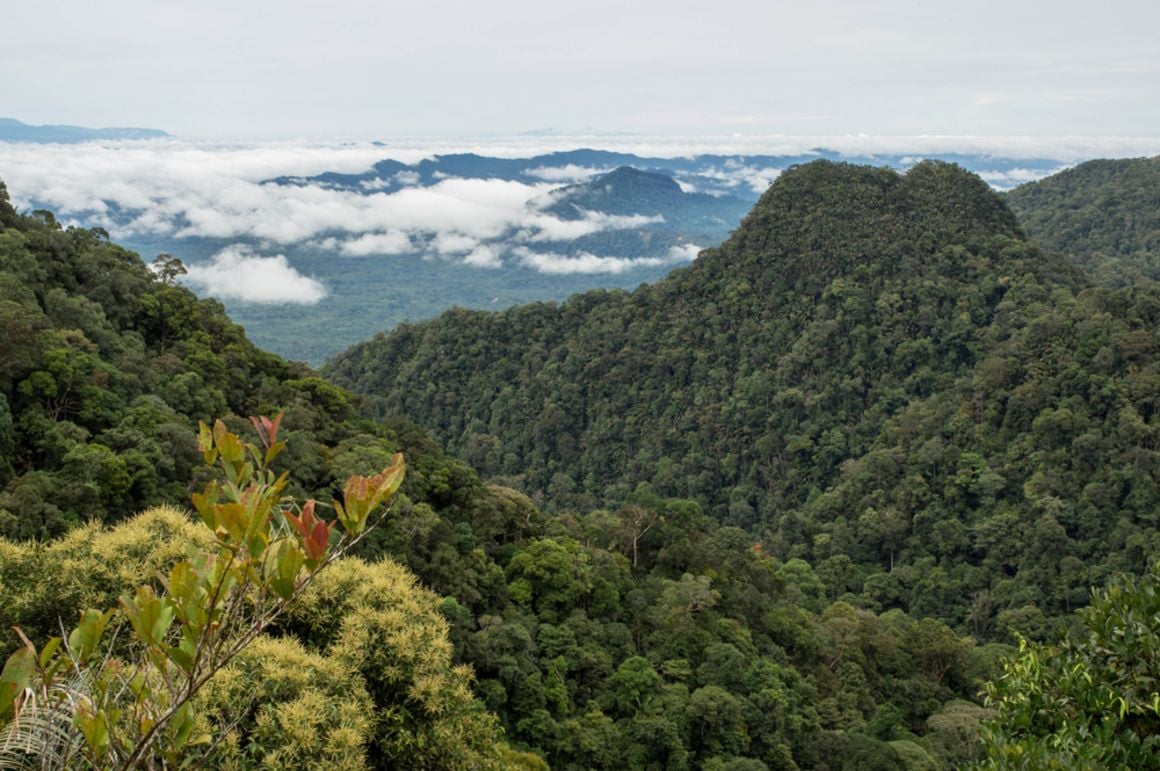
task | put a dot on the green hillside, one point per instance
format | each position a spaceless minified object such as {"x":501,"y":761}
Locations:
{"x":1104,"y":214}
{"x":877,"y":373}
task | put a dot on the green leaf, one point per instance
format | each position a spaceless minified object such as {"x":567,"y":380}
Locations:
{"x":287,"y":564}
{"x":179,"y":656}
{"x":16,"y":676}
{"x":48,"y":651}
{"x":205,"y":443}
{"x":83,"y":640}
{"x":95,"y":728}
{"x":182,"y":725}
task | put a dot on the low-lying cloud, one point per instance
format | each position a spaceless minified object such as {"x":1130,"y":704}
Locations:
{"x":734,"y":174}
{"x":389,"y":243}
{"x":1005,"y":180}
{"x":584,"y":262}
{"x":540,"y":226}
{"x":236,"y":273}
{"x":568,"y":173}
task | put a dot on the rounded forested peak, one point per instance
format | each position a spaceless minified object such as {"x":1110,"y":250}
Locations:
{"x":949,"y":192}
{"x":1091,"y":173}
{"x":823,"y":175}
{"x":630,"y":175}
{"x":1104,"y":215}
{"x":936,"y":189}
{"x":623,"y":190}
{"x":822,"y":218}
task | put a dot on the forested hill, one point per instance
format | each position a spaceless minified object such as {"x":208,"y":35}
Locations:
{"x":1104,"y":214}
{"x":628,"y":191}
{"x":875,"y":369}
{"x":675,"y":220}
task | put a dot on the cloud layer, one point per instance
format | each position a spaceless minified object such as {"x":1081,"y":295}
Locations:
{"x":174,"y":189}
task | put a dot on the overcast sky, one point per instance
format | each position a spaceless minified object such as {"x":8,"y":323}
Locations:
{"x":382,"y":68}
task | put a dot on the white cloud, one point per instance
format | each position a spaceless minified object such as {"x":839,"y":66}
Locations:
{"x":484,"y":257}
{"x":1005,"y":180}
{"x":236,"y":273}
{"x":391,"y":242}
{"x":568,"y":173}
{"x":550,"y":262}
{"x":453,"y":243}
{"x":539,"y":226}
{"x":407,"y":178}
{"x":736,"y":174}
{"x":684,"y":252}
{"x":182,"y":189}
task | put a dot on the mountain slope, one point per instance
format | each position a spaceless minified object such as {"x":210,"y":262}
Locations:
{"x":876,"y":367}
{"x":1105,"y":214}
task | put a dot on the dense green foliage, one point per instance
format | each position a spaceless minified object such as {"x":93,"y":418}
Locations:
{"x":877,"y":374}
{"x":126,"y":695}
{"x":107,"y":370}
{"x":1093,"y":701}
{"x":648,"y":633}
{"x":1104,"y":214}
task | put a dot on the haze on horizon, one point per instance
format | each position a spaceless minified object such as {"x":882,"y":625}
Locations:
{"x":361,"y":69}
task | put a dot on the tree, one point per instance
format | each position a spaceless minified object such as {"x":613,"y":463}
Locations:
{"x":168,"y":268}
{"x":634,"y":686}
{"x":1091,"y":701}
{"x":634,"y":522}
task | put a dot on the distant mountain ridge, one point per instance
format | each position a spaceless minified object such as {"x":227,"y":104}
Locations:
{"x":12,"y":130}
{"x":713,"y":173}
{"x":680,"y":219}
{"x":628,"y":190}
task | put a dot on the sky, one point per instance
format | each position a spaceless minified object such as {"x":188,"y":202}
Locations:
{"x":362,"y":69}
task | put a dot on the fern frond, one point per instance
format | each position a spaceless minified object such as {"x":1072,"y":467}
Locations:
{"x":42,"y":735}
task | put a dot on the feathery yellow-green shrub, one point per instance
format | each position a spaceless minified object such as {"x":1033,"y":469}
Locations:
{"x":279,"y":705}
{"x":375,"y":619}
{"x":46,"y":585}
